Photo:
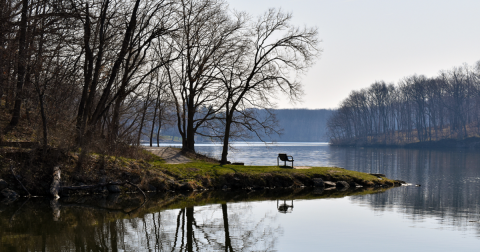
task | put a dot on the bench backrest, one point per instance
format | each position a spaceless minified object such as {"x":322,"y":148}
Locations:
{"x":283,"y":156}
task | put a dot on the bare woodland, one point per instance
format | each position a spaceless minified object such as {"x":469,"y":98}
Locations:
{"x":417,"y":109}
{"x":100,"y":75}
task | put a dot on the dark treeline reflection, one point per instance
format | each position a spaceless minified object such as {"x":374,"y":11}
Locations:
{"x":199,"y":221}
{"x":449,"y":179}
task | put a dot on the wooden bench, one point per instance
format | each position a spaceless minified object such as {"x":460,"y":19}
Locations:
{"x":284,"y":158}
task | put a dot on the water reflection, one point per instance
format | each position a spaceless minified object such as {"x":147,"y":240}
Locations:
{"x":284,"y":207}
{"x":205,"y":221}
{"x":450,"y":188}
{"x":449,"y":178}
{"x":448,"y":200}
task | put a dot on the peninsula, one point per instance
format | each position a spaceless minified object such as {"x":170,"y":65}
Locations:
{"x":168,"y":171}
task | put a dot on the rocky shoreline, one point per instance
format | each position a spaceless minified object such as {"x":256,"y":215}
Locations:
{"x":9,"y":193}
{"x":26,"y":173}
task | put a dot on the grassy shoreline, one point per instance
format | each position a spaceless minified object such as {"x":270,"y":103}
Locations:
{"x":152,"y":173}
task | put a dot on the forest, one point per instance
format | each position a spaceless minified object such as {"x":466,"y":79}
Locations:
{"x":418,"y":109}
{"x":101,"y":75}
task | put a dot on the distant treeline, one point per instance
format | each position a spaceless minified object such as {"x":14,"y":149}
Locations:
{"x":294,"y":125}
{"x":418,"y":109}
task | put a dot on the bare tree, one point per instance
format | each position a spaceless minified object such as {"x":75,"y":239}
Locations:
{"x":418,"y":109}
{"x":265,"y":61}
{"x":202,"y":41}
{"x":21,"y":66}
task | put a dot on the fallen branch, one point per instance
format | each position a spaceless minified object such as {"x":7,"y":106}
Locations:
{"x":11,"y":169}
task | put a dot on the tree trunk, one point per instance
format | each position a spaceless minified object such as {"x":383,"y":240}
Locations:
{"x":228,"y":242}
{"x":55,"y":187}
{"x":153,"y":121}
{"x":22,"y":62}
{"x":159,"y":127}
{"x":113,"y":133}
{"x":189,"y":143}
{"x":142,"y":121}
{"x":44,"y":121}
{"x":87,"y":70}
{"x":153,"y":125}
{"x":41,"y":94}
{"x":190,"y":222}
{"x":228,"y":123}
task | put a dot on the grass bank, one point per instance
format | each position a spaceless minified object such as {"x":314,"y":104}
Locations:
{"x":34,"y":169}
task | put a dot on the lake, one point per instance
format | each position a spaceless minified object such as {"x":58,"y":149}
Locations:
{"x":442,"y":214}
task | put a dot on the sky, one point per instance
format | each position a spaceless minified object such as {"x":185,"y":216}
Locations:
{"x":364,"y":41}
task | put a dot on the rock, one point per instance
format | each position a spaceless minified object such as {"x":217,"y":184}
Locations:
{"x":318,"y":182}
{"x":378,"y":175}
{"x":132,"y":177}
{"x":186,"y":187}
{"x":113,"y":199}
{"x":318,"y":190}
{"x":329,"y":184}
{"x":298,"y":184}
{"x":7,"y":201}
{"x":3,"y":184}
{"x":114,"y":189}
{"x":238,"y":163}
{"x":101,"y":190}
{"x":163,"y":187}
{"x":355,"y":185}
{"x":151,"y":188}
{"x":9,"y":194}
{"x":342,"y":184}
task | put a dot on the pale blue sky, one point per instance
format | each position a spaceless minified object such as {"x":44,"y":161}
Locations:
{"x":369,"y":40}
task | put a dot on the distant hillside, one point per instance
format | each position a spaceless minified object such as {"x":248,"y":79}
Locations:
{"x":297,"y":125}
{"x":302,"y":125}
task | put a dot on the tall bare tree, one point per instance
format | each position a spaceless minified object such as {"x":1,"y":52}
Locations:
{"x":266,"y":61}
{"x":21,"y":66}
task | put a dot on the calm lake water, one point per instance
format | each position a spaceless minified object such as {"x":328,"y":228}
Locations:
{"x":443,"y":214}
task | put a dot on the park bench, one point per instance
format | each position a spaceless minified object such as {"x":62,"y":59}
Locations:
{"x":284,"y":158}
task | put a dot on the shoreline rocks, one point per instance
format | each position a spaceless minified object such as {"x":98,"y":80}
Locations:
{"x":3,"y":184}
{"x":9,"y":196}
{"x":342,"y":184}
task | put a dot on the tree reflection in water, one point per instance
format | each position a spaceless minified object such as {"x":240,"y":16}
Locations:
{"x":202,"y":221}
{"x":212,"y":227}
